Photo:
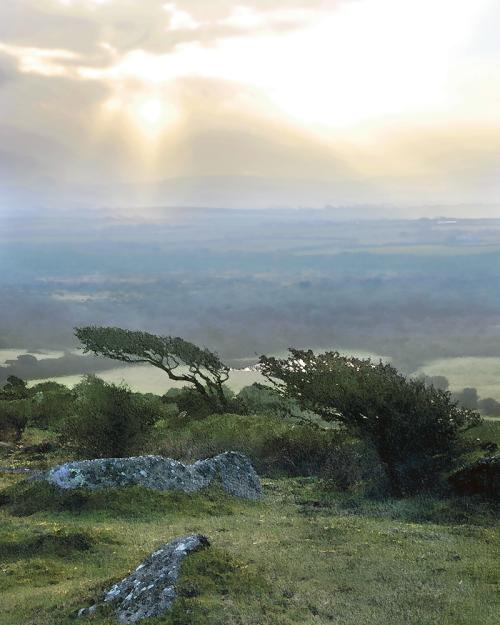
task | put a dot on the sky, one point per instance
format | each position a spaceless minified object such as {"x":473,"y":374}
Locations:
{"x":252,"y":104}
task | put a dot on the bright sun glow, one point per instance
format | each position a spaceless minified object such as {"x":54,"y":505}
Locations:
{"x":147,"y":113}
{"x":150,"y":112}
{"x":346,"y":70}
{"x":321,"y":74}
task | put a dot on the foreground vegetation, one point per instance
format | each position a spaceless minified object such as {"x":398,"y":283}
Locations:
{"x":358,"y":524}
{"x":317,"y":549}
{"x":302,"y":555}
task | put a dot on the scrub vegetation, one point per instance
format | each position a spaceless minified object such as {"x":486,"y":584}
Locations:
{"x":358,"y":523}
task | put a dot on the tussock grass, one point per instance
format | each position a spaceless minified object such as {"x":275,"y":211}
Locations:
{"x":301,"y":556}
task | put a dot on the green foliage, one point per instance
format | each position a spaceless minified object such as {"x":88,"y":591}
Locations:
{"x":51,"y":405}
{"x":415,"y":428}
{"x":260,"y":399}
{"x":188,"y":400}
{"x":109,"y":420}
{"x":14,"y":389}
{"x":275,"y":446}
{"x":15,"y":415}
{"x":181,"y":360}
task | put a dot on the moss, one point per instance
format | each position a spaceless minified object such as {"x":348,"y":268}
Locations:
{"x":26,"y":498}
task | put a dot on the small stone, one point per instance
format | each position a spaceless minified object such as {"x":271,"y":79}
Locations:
{"x":150,"y":589}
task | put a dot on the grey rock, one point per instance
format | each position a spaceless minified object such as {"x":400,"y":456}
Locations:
{"x":150,"y":589}
{"x":232,"y":470}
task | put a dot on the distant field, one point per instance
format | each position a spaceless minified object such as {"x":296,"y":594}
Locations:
{"x":419,"y":250}
{"x":147,"y":379}
{"x":481,"y":373}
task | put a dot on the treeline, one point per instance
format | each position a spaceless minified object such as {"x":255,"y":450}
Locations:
{"x":467,"y":398}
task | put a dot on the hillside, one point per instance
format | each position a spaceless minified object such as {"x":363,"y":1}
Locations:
{"x":302,"y":555}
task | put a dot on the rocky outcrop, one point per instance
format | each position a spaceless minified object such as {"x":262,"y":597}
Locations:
{"x":232,"y":470}
{"x":150,"y":589}
{"x":480,"y":478}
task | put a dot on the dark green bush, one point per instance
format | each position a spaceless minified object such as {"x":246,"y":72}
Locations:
{"x":14,"y":388}
{"x":304,"y":450}
{"x":217,"y":433}
{"x":50,"y":405}
{"x":14,"y":417}
{"x":188,"y":400}
{"x":109,"y":420}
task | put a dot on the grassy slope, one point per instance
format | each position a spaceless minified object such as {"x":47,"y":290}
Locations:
{"x":300,"y":556}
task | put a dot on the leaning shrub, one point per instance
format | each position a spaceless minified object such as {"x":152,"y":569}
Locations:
{"x":416,"y":429}
{"x":109,"y":420}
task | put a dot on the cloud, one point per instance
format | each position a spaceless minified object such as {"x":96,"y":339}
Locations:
{"x":344,"y":93}
{"x":8,"y":70}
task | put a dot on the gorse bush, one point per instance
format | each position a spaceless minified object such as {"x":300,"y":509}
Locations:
{"x":15,"y":410}
{"x":109,"y":420}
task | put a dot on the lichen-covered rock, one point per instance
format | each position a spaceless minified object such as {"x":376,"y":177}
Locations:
{"x":150,"y":589}
{"x":480,"y":478}
{"x":232,"y":470}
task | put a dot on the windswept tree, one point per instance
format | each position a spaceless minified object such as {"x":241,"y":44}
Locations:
{"x":413,"y":427}
{"x":181,"y":360}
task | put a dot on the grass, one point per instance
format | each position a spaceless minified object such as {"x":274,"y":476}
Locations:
{"x":302,"y":555}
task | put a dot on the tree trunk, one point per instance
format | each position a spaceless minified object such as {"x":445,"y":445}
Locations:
{"x":390,"y":468}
